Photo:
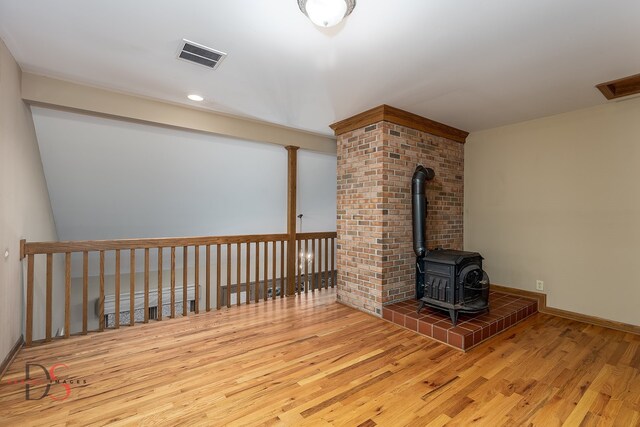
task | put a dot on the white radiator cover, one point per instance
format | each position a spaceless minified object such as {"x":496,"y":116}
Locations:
{"x":138,"y":299}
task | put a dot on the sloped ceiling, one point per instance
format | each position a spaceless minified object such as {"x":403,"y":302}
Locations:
{"x":111,"y":179}
{"x":468,"y":63}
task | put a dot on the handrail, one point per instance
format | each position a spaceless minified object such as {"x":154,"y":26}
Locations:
{"x":152,"y":243}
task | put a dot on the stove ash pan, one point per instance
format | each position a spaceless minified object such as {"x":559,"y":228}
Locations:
{"x":452,"y":280}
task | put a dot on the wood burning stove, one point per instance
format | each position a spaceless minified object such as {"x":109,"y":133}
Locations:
{"x":446,"y":279}
{"x":452,"y":280}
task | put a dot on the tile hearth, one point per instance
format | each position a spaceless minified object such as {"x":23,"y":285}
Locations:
{"x":472,"y":329}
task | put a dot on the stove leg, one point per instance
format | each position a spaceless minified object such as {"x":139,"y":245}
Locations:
{"x":420,"y":307}
{"x":454,"y":316}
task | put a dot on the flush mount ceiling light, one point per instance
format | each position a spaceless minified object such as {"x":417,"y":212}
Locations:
{"x":326,"y":13}
{"x":195,"y":97}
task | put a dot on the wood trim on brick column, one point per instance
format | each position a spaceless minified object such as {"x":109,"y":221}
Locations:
{"x":399,"y":117}
{"x":292,"y":181}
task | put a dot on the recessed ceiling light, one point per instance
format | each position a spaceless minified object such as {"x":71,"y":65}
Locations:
{"x":195,"y":97}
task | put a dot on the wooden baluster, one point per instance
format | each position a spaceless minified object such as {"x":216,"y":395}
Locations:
{"x":238,"y":281}
{"x":312,"y":260}
{"x":146,"y":285}
{"x":85,"y":290}
{"x":228,"y":275}
{"x":173,"y":282}
{"x":257,"y":285}
{"x":273,"y":269}
{"x":160,"y":286}
{"x":326,"y":263}
{"x":67,"y":294}
{"x":49,"y":296}
{"x":305,"y":259}
{"x":101,"y":301}
{"x":313,"y":265}
{"x":299,"y":267}
{"x":30,"y":274}
{"x":196,"y":274}
{"x":319,"y":277}
{"x":132,"y":287}
{"x":185,"y":272}
{"x":208,"y":279}
{"x":282,"y":271}
{"x":218,"y":274}
{"x":117,"y":290}
{"x":333,"y":257}
{"x":248,"y":273}
{"x":265,"y":284}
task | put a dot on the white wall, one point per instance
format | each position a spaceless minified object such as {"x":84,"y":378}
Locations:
{"x":317,"y":184}
{"x":558,"y":199}
{"x":112,"y":179}
{"x":115,"y":179}
{"x":25,"y":211}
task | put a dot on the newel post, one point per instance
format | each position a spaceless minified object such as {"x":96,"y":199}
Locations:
{"x":292,"y":178}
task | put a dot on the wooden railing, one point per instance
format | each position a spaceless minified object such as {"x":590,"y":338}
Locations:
{"x":316,"y":261}
{"x":262,"y":279}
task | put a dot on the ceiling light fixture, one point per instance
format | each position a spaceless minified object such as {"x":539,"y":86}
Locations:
{"x":326,"y":13}
{"x":195,"y":97}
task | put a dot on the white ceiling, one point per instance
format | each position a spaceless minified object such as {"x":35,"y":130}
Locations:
{"x":468,"y":63}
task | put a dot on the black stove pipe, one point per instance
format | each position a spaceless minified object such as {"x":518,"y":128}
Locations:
{"x":419,"y":208}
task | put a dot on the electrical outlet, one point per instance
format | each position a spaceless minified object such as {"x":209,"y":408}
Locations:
{"x":540,"y":285}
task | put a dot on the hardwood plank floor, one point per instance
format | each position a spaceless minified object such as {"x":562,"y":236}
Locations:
{"x":310,"y":361}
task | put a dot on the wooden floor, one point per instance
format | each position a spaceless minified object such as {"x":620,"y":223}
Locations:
{"x":311,"y":361}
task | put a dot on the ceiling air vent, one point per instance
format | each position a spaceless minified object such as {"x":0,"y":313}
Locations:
{"x":201,"y":55}
{"x":625,"y":86}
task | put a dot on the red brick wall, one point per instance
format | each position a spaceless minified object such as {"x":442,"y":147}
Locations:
{"x":375,"y":259}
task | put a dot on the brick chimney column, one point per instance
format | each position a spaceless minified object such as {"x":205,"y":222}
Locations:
{"x":378,"y":151}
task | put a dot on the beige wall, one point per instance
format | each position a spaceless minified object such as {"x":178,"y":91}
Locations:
{"x":558,"y":199}
{"x":54,"y":93}
{"x":25,"y":211}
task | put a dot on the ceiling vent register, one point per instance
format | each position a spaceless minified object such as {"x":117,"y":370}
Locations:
{"x":200,"y":54}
